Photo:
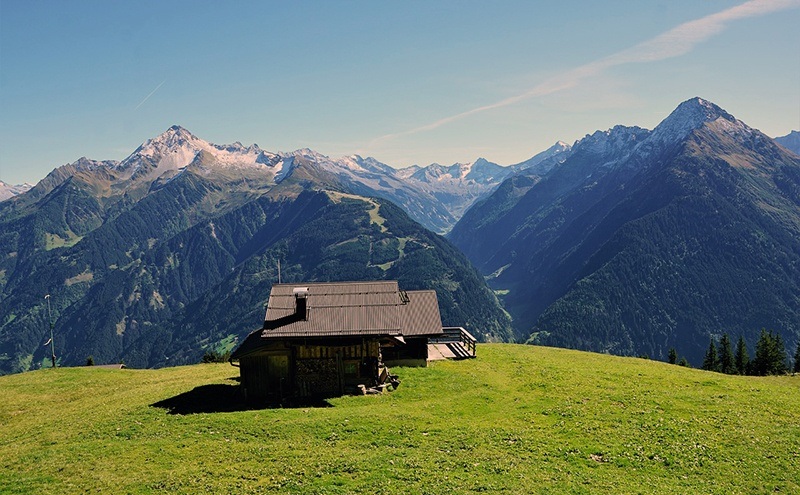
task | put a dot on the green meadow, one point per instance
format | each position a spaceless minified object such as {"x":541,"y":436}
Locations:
{"x":518,"y":419}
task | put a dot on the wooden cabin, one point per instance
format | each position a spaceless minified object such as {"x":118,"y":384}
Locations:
{"x":327,"y":339}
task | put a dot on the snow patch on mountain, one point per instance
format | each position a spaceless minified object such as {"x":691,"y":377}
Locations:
{"x":283,"y":168}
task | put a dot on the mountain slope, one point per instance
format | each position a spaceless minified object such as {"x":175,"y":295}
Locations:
{"x":642,"y":241}
{"x":333,"y":237}
{"x":488,"y":232}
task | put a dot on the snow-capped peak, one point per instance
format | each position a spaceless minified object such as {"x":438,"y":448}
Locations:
{"x":170,"y":141}
{"x":9,"y":190}
{"x":176,"y":148}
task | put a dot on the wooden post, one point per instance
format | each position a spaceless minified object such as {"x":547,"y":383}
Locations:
{"x":340,"y":372}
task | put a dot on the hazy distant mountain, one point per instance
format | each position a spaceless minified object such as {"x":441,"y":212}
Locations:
{"x":545,"y":161}
{"x":173,"y":250}
{"x":457,"y":187}
{"x":645,"y":240}
{"x":790,"y":141}
{"x":7,"y":190}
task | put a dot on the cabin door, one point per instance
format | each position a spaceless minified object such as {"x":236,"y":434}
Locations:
{"x":278,"y":366}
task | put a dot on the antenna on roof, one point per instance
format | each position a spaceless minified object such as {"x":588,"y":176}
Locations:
{"x":279,"y":270}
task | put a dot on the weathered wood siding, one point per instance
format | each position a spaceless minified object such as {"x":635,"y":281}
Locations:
{"x":265,"y":375}
{"x":331,"y":369}
{"x":309,"y":369}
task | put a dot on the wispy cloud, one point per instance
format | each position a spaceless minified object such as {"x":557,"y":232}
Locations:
{"x":673,"y":43}
{"x":148,"y":96}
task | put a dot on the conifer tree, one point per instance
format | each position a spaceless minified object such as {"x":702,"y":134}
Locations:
{"x":672,"y":357}
{"x":770,"y":356}
{"x":742,"y":357}
{"x":726,"y":359}
{"x":711,"y":361}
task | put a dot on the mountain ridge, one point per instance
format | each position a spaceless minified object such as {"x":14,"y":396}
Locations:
{"x":434,"y":195}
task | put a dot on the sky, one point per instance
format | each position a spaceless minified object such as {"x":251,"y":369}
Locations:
{"x":412,"y":82}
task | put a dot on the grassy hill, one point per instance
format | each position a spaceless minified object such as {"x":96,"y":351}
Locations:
{"x":519,"y":419}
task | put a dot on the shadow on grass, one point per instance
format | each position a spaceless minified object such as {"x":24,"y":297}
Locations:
{"x":224,"y":398}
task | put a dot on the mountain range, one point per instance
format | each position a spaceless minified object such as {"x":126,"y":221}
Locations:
{"x":435,"y":196}
{"x":171,"y":252}
{"x":641,"y":241}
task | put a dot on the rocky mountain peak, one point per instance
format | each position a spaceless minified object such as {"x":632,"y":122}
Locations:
{"x":690,"y":115}
{"x":611,"y":141}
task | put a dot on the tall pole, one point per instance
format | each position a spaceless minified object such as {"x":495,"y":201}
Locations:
{"x":52,"y":344}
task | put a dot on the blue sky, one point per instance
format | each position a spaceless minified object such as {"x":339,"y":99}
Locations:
{"x":406,"y":82}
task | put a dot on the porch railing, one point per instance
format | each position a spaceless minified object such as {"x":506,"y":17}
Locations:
{"x":459,"y":335}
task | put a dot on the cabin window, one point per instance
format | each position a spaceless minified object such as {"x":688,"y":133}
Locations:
{"x":351,"y":368}
{"x":278,"y":366}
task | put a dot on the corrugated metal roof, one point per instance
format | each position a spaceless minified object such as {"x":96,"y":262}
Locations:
{"x":421,"y":314}
{"x":353,"y":309}
{"x":332,"y":294}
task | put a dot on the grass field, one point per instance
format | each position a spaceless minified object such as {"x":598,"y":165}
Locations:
{"x":519,"y":419}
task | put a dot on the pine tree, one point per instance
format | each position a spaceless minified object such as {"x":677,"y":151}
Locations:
{"x":672,"y":357}
{"x":711,"y":361}
{"x":770,"y":356}
{"x":726,"y":359}
{"x":742,"y":358}
{"x":797,"y":358}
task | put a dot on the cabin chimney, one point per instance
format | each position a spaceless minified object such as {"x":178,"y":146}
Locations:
{"x":301,"y":302}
